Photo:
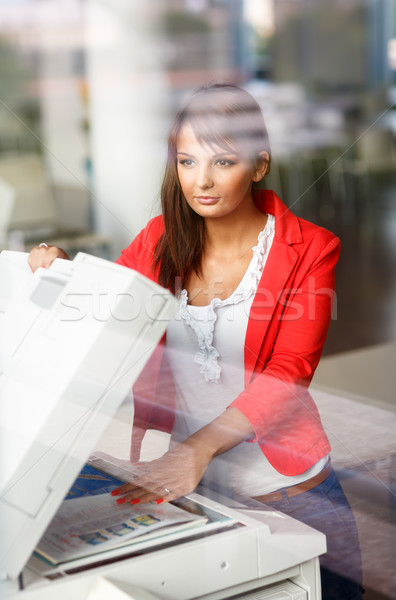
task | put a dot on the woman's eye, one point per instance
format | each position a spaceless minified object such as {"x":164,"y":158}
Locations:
{"x":224,"y":162}
{"x":186,"y":162}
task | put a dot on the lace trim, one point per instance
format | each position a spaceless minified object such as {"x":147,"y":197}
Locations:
{"x":203,"y":327}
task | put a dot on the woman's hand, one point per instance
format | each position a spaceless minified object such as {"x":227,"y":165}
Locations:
{"x":44,"y":256}
{"x":175,"y":474}
{"x":179,"y":471}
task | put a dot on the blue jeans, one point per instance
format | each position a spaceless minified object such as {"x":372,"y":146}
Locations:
{"x":326,"y":509}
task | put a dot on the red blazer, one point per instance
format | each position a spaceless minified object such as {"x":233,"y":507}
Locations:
{"x":287,"y":327}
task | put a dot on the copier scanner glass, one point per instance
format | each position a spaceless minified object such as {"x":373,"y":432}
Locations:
{"x":74,"y":340}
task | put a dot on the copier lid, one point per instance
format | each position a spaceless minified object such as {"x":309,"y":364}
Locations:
{"x":75,"y":343}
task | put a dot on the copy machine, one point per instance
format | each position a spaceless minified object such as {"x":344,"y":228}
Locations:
{"x":74,"y":339}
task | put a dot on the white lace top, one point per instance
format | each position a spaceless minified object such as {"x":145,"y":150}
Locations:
{"x":205,"y":350}
{"x":202,"y":319}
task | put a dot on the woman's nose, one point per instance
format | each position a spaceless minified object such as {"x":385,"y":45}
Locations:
{"x":204,"y":177}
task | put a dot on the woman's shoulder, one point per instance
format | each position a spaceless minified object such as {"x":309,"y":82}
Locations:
{"x":313,"y":232}
{"x":319,"y":245}
{"x":140,"y":251}
{"x":154,"y":228}
{"x":150,"y":234}
{"x":289,"y":227}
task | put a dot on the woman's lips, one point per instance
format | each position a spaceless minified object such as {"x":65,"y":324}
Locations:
{"x":207,"y":199}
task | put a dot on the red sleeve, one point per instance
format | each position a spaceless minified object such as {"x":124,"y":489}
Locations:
{"x":276,"y":399}
{"x":149,"y":411}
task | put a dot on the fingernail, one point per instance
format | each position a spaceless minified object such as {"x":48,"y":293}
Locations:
{"x":159,"y":500}
{"x":135,"y":500}
{"x":121,"y":500}
{"x":115,"y":492}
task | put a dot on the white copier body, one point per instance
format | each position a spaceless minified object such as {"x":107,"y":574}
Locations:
{"x":74,"y":339}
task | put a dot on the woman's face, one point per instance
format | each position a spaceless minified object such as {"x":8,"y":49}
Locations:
{"x":216,"y":182}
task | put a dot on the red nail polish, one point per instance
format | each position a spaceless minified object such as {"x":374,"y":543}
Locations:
{"x":159,"y":500}
{"x":135,"y":500}
{"x":115,"y":492}
{"x":121,"y":500}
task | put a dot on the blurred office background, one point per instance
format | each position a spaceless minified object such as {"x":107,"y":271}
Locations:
{"x":87,"y":92}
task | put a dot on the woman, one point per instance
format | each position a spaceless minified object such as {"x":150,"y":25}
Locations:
{"x":256,"y":287}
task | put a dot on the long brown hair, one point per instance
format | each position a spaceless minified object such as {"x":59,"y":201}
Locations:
{"x":220,"y":115}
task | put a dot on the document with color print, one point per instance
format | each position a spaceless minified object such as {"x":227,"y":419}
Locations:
{"x":92,"y":524}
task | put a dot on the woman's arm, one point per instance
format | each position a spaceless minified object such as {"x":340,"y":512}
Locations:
{"x":301,"y":332}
